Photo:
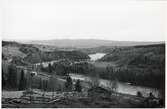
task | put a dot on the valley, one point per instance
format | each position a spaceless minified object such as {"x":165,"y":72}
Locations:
{"x":127,"y":71}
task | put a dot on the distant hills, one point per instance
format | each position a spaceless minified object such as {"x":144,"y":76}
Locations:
{"x":87,"y":43}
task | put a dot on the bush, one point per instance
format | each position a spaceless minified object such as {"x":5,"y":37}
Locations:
{"x":139,"y":94}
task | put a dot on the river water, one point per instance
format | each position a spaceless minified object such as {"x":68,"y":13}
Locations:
{"x":96,"y":56}
{"x":125,"y":88}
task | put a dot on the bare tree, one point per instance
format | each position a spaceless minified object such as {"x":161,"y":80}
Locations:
{"x":115,"y":85}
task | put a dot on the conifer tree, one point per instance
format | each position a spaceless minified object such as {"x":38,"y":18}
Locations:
{"x":78,"y":87}
{"x":40,"y":84}
{"x":22,"y":82}
{"x":12,"y":76}
{"x":3,"y":79}
{"x":50,"y":68}
{"x":68,"y":84}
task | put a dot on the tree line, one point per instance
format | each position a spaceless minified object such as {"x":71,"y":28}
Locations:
{"x":11,"y":80}
{"x":151,"y":76}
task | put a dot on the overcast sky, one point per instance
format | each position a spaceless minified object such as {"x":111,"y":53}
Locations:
{"x":132,"y":20}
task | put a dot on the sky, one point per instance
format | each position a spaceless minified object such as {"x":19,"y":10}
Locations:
{"x":123,"y":20}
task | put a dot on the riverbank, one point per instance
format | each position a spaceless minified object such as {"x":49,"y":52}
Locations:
{"x":124,"y":88}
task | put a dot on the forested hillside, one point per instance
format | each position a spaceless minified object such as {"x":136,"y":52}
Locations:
{"x":137,"y":55}
{"x":141,"y":65}
{"x":20,"y":54}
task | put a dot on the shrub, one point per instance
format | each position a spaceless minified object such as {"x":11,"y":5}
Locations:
{"x":139,"y":94}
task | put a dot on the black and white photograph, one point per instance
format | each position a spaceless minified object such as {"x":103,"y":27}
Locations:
{"x":83,"y":53}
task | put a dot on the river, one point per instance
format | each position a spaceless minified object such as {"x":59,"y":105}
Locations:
{"x":96,"y":56}
{"x":125,"y":88}
{"x":93,"y":57}
{"x":122,"y":87}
